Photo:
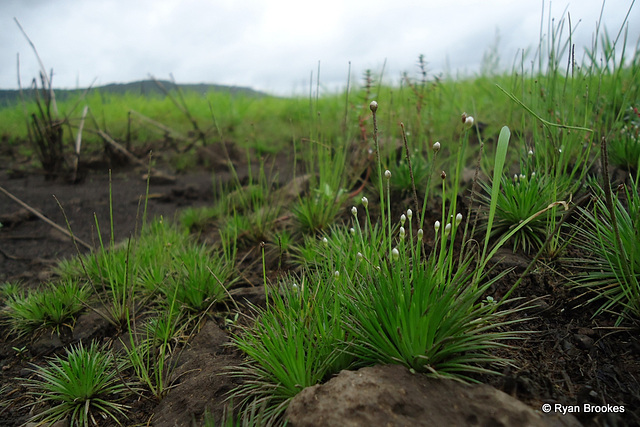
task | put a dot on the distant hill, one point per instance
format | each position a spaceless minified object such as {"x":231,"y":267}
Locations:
{"x":144,"y":87}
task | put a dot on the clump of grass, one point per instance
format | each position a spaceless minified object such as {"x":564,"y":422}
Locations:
{"x":624,"y":148}
{"x":9,"y":290}
{"x":296,"y":342}
{"x":609,"y":231}
{"x":522,"y":197}
{"x":151,"y":345}
{"x":199,"y":277}
{"x":317,"y":211}
{"x":53,"y":307}
{"x":401,"y":179}
{"x":81,"y":386}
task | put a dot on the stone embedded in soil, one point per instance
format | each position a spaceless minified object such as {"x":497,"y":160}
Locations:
{"x":582,"y":341}
{"x":47,"y":343}
{"x":89,"y":324}
{"x":390,"y":395}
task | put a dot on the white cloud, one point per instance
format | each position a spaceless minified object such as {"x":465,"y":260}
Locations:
{"x":274,"y":45}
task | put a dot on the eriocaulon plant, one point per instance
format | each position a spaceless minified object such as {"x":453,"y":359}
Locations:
{"x":53,"y":307}
{"x":609,"y":231}
{"x":523,"y":196}
{"x":83,"y":386}
{"x":370,"y":295}
{"x":296,"y":342}
{"x":425,"y":315}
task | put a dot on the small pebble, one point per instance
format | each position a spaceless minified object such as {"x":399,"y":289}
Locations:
{"x":582,"y":341}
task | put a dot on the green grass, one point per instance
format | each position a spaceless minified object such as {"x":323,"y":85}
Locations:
{"x":53,"y":307}
{"x":400,"y":275}
{"x":84,"y":386}
{"x":611,"y":276}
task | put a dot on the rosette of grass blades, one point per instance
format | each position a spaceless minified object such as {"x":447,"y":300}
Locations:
{"x":296,"y":342}
{"x":80,"y":387}
{"x":418,"y":316}
{"x":520,"y":198}
{"x":53,"y":307}
{"x":611,"y":269}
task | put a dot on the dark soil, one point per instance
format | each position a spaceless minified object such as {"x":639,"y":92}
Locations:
{"x":571,"y":358}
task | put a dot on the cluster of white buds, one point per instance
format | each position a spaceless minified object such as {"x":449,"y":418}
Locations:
{"x":365,"y":202}
{"x":522,"y":177}
{"x":467,"y":120}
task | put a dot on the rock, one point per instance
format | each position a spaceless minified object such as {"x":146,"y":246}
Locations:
{"x":89,"y":324}
{"x":46,"y":344}
{"x":390,"y":395}
{"x":582,"y":341}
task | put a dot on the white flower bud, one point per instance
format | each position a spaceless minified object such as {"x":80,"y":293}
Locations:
{"x":468,"y":121}
{"x":533,"y":175}
{"x":359,"y":255}
{"x":402,"y":233}
{"x":436,"y":147}
{"x":365,"y":202}
{"x":515,"y":177}
{"x":352,"y":231}
{"x":354,"y":211}
{"x":436,"y":226}
{"x":336,"y":274}
{"x":447,"y":229}
{"x":325,"y":241}
{"x":395,"y":254}
{"x":420,"y":233}
{"x":530,"y":152}
{"x":458,"y":219}
{"x":403,"y":218}
{"x":387,"y":174}
{"x":522,"y":177}
{"x":373,"y":106}
{"x":409,"y":214}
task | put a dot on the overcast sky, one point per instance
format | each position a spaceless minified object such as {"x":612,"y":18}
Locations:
{"x":274,"y":45}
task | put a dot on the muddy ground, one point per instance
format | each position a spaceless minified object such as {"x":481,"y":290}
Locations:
{"x":571,"y":358}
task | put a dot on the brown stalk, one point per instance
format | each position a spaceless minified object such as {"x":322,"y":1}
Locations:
{"x":44,"y":218}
